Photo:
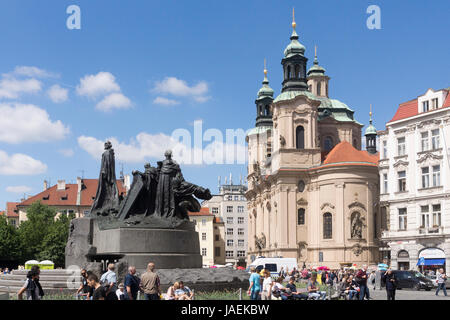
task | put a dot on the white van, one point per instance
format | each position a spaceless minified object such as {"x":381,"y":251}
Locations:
{"x":274,"y":265}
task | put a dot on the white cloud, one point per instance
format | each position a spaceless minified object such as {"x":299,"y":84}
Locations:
{"x":18,"y":189}
{"x":178,"y":87}
{"x":31,"y":72}
{"x":95,"y":85}
{"x":147,"y":146}
{"x":67,"y":152}
{"x":28,"y":123}
{"x":114,"y":101}
{"x":165,"y":101}
{"x":20,"y":164}
{"x":58,"y":94}
{"x":11,"y":88}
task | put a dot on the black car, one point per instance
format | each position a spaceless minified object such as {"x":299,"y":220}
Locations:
{"x":411,"y":280}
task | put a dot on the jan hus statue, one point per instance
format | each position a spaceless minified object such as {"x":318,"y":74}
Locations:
{"x":107,"y":197}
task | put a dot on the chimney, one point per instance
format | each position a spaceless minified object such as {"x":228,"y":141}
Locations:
{"x":79,"y":188}
{"x":61,"y":185}
{"x":127,"y":182}
{"x":45,"y":185}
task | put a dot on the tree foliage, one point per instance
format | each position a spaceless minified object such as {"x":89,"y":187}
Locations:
{"x":40,"y":237}
{"x":10,"y":245}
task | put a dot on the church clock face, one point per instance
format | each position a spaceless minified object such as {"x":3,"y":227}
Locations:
{"x":301,"y":186}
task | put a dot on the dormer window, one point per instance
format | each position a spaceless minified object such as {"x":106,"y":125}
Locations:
{"x":46,"y":197}
{"x":434,"y":103}
{"x":64,"y":197}
{"x":425,"y":106}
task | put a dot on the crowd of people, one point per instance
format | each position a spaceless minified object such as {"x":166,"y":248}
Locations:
{"x":346,"y":283}
{"x":148,"y":284}
{"x":349,"y":284}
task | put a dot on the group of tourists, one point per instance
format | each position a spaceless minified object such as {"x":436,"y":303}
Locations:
{"x":4,"y":271}
{"x":106,"y":288}
{"x":349,"y":284}
{"x":264,"y":287}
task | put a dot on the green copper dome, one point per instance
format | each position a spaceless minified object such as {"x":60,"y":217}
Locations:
{"x":370,"y":130}
{"x":295,"y":47}
{"x":265,"y":90}
{"x":316,"y":69}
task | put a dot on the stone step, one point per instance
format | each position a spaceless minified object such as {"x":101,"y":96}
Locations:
{"x":44,"y":272}
{"x":59,"y":278}
{"x":44,"y":284}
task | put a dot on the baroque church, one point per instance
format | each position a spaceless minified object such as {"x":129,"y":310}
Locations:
{"x":313,"y":194}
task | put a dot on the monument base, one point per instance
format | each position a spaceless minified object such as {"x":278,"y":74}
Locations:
{"x":167,"y":248}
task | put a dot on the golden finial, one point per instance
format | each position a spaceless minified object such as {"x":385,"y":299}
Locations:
{"x":293,"y":18}
{"x":370,"y":113}
{"x":265,"y":67}
{"x":315,"y":51}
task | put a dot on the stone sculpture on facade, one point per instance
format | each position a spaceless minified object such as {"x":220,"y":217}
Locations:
{"x":356,"y":231}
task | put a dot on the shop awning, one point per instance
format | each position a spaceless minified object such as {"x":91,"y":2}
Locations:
{"x":430,"y":262}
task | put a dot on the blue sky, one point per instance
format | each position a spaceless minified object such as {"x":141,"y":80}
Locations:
{"x":203,"y":59}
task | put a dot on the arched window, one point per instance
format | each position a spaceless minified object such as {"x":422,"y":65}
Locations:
{"x":301,"y":216}
{"x":327,"y":225}
{"x":297,"y":71}
{"x":289,"y":72}
{"x":328,"y":143}
{"x":318,"y":88}
{"x":267,"y":110}
{"x":300,"y":137}
{"x":355,"y":144}
{"x":260,"y":111}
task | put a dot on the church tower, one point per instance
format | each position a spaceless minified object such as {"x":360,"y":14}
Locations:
{"x":317,"y":80}
{"x":371,"y":136}
{"x":294,"y":63}
{"x":263,"y":102}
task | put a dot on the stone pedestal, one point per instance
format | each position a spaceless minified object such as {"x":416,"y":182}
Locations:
{"x":167,"y":248}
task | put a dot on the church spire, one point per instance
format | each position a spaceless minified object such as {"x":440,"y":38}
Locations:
{"x":371,"y":135}
{"x":294,"y":62}
{"x":263,"y":102}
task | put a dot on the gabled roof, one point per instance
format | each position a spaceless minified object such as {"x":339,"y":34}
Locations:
{"x":68,"y":197}
{"x":11,"y":209}
{"x":410,"y":108}
{"x":345,"y":153}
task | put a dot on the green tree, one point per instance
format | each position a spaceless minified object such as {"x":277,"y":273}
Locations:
{"x":10,"y":246}
{"x":54,"y":243}
{"x":40,"y":219}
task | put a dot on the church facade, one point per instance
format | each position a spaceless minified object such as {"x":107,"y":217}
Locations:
{"x":312,"y":194}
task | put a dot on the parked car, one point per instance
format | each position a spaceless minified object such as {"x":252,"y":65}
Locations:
{"x":274,"y":265}
{"x":433,"y":278}
{"x":410,"y":279}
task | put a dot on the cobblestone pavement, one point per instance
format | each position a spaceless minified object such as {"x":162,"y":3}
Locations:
{"x":410,"y":295}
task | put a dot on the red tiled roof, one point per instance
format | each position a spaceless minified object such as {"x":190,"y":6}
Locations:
{"x":344,"y":152}
{"x":53,"y":197}
{"x":11,"y":209}
{"x":410,"y":108}
{"x":406,"y":110}
{"x":218,"y":220}
{"x":88,"y":194}
{"x":203,"y":212}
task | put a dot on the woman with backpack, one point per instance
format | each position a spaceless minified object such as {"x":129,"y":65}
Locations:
{"x":32,"y":285}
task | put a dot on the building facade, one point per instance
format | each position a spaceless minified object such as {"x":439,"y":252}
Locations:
{"x":210,"y":231}
{"x":312,"y":192}
{"x":11,"y":213}
{"x":415,"y":183}
{"x":231,"y":206}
